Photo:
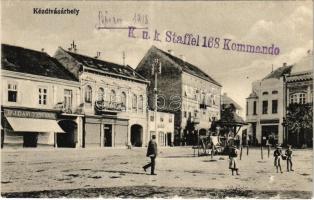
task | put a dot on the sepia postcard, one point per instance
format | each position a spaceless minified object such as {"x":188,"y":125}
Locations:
{"x":157,"y":99}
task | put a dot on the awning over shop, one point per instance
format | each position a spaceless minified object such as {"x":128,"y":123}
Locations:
{"x":34,"y":125}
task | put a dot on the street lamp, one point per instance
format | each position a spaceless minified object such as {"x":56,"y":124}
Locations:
{"x":156,"y":69}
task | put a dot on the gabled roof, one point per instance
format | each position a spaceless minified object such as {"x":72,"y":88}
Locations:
{"x":106,"y":67}
{"x":279,"y":72}
{"x":188,"y":67}
{"x":228,"y":101}
{"x":29,"y":61}
{"x":235,"y":121}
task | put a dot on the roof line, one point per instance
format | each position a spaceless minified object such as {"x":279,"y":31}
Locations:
{"x":214,"y":81}
{"x":144,"y":80}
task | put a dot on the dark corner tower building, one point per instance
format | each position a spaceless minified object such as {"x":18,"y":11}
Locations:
{"x":186,"y":91}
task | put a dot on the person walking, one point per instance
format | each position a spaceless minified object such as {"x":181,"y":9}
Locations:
{"x":152,"y":153}
{"x":233,"y":165}
{"x":288,"y":154}
{"x":277,"y":158}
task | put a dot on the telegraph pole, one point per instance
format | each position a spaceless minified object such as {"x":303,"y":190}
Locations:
{"x":156,"y":69}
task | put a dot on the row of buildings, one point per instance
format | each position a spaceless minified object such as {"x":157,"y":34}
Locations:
{"x":74,"y":100}
{"x":267,"y":107}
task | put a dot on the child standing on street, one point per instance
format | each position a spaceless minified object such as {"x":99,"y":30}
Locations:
{"x":277,"y":156}
{"x":233,"y":165}
{"x":288,"y":153}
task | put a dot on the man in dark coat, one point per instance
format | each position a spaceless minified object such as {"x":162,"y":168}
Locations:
{"x":152,"y":153}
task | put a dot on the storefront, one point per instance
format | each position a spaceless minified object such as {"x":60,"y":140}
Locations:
{"x":25,"y":127}
{"x":105,"y":131}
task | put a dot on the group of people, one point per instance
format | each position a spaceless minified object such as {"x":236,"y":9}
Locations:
{"x":278,"y":156}
{"x":233,"y":154}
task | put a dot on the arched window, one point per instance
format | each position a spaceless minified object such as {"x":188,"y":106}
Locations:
{"x":112,"y":96}
{"x":134,"y":102}
{"x":265,"y":93}
{"x":101,"y":94}
{"x":88,"y":94}
{"x":123,"y":99}
{"x":140,"y":102}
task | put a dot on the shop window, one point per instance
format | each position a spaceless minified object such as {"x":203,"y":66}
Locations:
{"x":140,"y":103}
{"x":67,"y":99}
{"x":101,"y":94}
{"x":88,"y":94}
{"x":274,"y":106}
{"x":12,"y":92}
{"x":42,"y":96}
{"x":265,"y":107}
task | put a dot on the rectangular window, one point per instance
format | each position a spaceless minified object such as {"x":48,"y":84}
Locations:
{"x":161,"y":119}
{"x":184,"y":114}
{"x":265,"y":107}
{"x":254,"y":108}
{"x":302,"y":98}
{"x":42,"y":96}
{"x":67,"y":99}
{"x":274,"y":106}
{"x":170,"y":119}
{"x":152,"y":118}
{"x":247,"y":108}
{"x":12,"y":92}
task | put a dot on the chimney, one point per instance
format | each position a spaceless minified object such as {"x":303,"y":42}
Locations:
{"x":284,"y":64}
{"x":123,"y":57}
{"x":170,"y":51}
{"x":182,"y":57}
{"x":43,"y":50}
{"x":73,"y":47}
{"x":225,"y":93}
{"x":97,"y":54}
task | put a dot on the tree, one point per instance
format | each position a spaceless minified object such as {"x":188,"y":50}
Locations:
{"x":300,"y":120}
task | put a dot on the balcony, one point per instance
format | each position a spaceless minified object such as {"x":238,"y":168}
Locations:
{"x":65,"y":108}
{"x":195,"y":120}
{"x":109,"y":106}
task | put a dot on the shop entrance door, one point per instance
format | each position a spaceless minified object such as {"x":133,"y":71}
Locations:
{"x":30,"y":139}
{"x":108,"y":135}
{"x":270,"y":133}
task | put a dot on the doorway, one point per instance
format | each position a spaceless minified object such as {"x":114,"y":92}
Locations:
{"x":108,"y":135}
{"x":136,"y":135}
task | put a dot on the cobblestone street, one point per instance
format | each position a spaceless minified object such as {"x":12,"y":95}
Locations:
{"x":114,"y":172}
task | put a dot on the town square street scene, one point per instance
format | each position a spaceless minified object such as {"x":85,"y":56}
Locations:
{"x":157,"y":99}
